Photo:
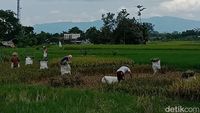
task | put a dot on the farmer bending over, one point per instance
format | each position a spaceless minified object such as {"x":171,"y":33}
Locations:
{"x":156,"y":65}
{"x":65,"y":67}
{"x":122,"y":71}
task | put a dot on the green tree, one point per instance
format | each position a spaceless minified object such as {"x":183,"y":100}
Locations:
{"x":43,"y":38}
{"x":26,"y":37}
{"x":9,"y":25}
{"x":122,"y":29}
{"x":127,"y":30}
{"x":109,"y":21}
{"x":146,"y":29}
{"x":75,"y":30}
{"x":123,"y":14}
{"x":78,"y":31}
{"x":108,"y":27}
{"x":93,"y":35}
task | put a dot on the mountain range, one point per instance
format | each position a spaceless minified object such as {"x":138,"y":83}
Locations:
{"x":59,"y":27}
{"x":161,"y":24}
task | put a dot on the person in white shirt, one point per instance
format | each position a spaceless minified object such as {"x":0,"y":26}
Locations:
{"x":44,"y":61}
{"x":28,"y":61}
{"x":45,"y":54}
{"x":59,"y":44}
{"x":65,"y":67}
{"x":156,"y":65}
{"x":122,"y":71}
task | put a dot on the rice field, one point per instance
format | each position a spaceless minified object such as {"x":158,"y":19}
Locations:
{"x":30,"y":90}
{"x":40,"y":99}
{"x":179,"y":55}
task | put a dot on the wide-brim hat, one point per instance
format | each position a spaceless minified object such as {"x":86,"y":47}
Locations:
{"x":155,"y":59}
{"x":44,"y":47}
{"x":14,"y":54}
{"x":70,"y":56}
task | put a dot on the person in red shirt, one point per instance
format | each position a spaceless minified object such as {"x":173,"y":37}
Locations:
{"x":15,"y":60}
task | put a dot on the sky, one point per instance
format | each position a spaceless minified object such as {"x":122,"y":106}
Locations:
{"x":48,"y":11}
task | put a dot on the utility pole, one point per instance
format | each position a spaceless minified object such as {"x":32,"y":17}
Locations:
{"x":124,"y":38}
{"x":18,"y":9}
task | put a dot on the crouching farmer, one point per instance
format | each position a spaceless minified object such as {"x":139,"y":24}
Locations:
{"x":65,"y":68}
{"x":122,"y":71}
{"x":109,"y":79}
{"x":15,"y":62}
{"x":156,"y":65}
{"x":28,"y":60}
{"x":120,"y":75}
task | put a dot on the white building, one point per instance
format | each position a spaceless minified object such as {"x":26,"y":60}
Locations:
{"x":71,"y":36}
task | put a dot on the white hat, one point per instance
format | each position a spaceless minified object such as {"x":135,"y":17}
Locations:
{"x":70,"y":56}
{"x":14,"y":53}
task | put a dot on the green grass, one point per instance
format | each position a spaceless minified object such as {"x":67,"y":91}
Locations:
{"x":86,"y":65}
{"x":176,"y":54}
{"x":39,"y":99}
{"x":16,"y":97}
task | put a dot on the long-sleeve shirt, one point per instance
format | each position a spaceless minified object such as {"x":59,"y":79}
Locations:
{"x":15,"y":60}
{"x":65,"y":60}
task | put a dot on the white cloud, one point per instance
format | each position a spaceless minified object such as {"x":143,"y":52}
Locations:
{"x":45,"y":11}
{"x":103,"y":11}
{"x":54,"y":12}
{"x":181,"y":5}
{"x":30,"y":20}
{"x":122,"y":7}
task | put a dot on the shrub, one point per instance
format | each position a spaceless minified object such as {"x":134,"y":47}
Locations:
{"x":114,"y":53}
{"x":144,"y":103}
{"x":187,"y":89}
{"x":55,"y":81}
{"x":4,"y":57}
{"x":37,"y":48}
{"x":25,"y":74}
{"x":72,"y":80}
{"x":151,"y":85}
{"x":68,"y":80}
{"x":90,"y":65}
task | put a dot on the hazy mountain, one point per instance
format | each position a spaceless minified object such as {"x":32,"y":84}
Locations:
{"x":170,"y":24}
{"x":161,"y":24}
{"x":59,"y":27}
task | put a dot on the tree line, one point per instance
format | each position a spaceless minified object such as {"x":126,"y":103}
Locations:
{"x":193,"y":34}
{"x":117,"y":29}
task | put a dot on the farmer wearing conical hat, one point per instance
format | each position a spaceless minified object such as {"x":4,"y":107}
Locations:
{"x":15,"y":62}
